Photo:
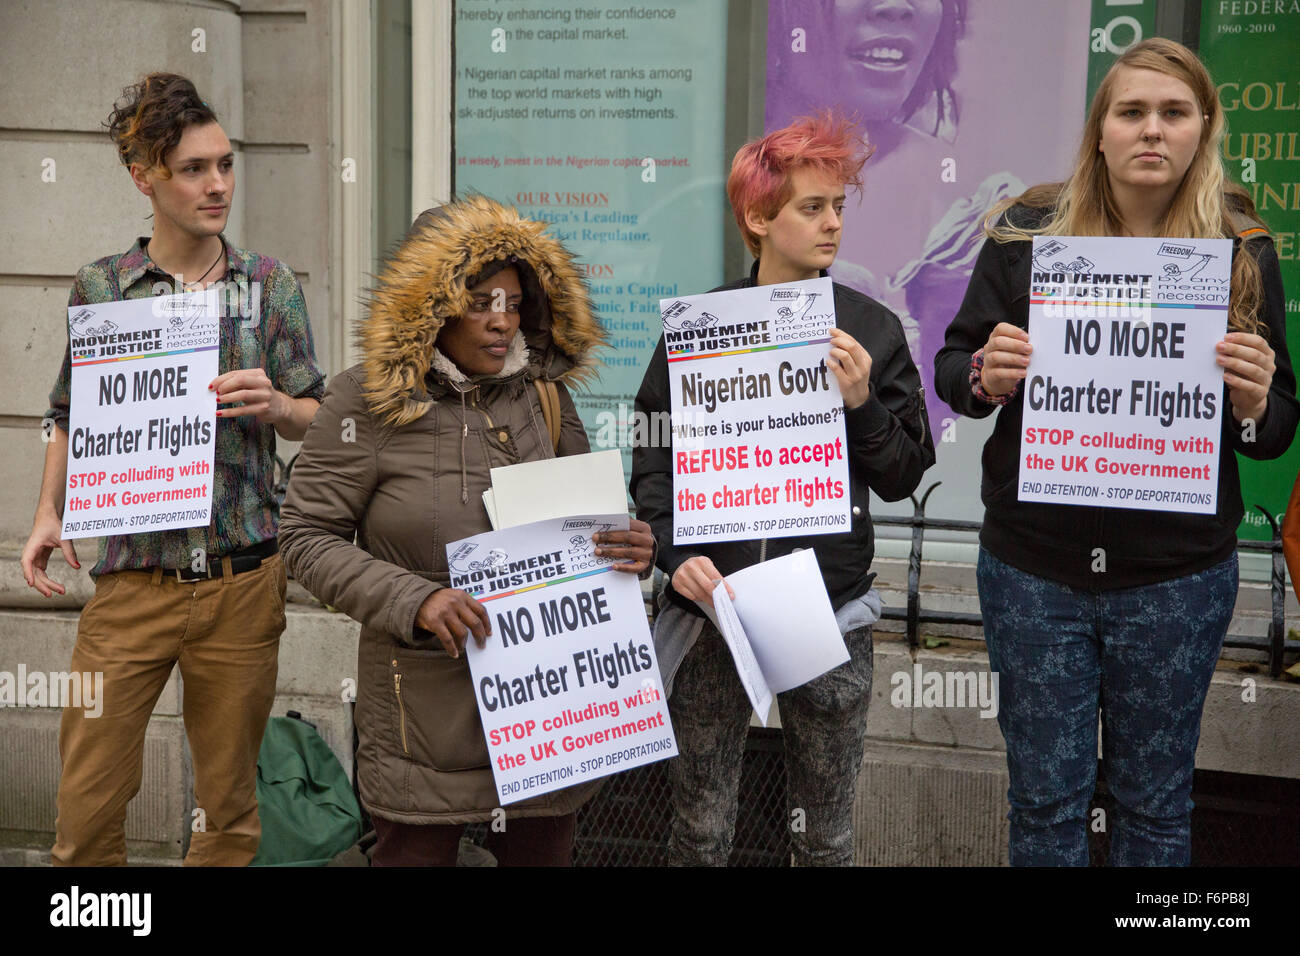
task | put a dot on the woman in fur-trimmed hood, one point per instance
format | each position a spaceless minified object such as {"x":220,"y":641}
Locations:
{"x":477,"y":324}
{"x":449,"y":250}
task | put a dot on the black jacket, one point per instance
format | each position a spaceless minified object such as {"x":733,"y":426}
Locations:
{"x":889,"y":449}
{"x":1060,"y":541}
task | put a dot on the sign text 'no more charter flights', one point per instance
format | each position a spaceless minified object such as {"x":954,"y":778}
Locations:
{"x":1124,"y":401}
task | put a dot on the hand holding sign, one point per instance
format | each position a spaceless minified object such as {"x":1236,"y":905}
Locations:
{"x":1247,"y":363}
{"x":634,"y":549}
{"x":851,"y":364}
{"x":452,"y":616}
{"x":253,"y":387}
{"x":1006,"y":359}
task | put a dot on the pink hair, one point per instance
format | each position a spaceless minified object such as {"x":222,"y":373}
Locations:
{"x":761,"y":172}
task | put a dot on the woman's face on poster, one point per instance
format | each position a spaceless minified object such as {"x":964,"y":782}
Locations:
{"x":875,"y":51}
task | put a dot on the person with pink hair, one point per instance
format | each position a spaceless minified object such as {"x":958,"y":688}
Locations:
{"x":787,"y":191}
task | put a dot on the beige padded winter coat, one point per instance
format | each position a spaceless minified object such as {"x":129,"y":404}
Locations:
{"x":399,"y":456}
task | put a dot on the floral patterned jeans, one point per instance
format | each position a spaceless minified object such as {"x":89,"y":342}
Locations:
{"x":1144,"y":656}
{"x":825,"y":725}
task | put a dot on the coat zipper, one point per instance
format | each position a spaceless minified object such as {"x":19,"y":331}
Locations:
{"x":401,"y":710}
{"x":481,"y":410}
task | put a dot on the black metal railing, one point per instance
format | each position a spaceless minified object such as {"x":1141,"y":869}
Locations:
{"x":1275,"y":645}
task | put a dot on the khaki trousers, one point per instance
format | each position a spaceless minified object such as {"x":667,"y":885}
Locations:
{"x":224,"y":634}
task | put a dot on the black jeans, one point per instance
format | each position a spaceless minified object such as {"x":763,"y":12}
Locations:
{"x":825,"y":724}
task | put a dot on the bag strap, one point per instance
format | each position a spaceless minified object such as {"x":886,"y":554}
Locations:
{"x":550,"y":399}
{"x":1245,"y":225}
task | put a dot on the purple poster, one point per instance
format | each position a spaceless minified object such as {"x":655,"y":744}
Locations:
{"x":967,"y":102}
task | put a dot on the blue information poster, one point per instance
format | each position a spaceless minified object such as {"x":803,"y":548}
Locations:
{"x":604,"y":120}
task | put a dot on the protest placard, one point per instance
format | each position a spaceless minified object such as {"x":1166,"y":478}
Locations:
{"x":1123,"y":402}
{"x":568,"y":687}
{"x":757,"y":416}
{"x":142,"y":421}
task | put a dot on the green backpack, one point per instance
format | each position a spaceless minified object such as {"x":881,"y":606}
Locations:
{"x":309,"y":813}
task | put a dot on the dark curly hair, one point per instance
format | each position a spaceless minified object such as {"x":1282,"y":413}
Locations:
{"x":940,"y":67}
{"x":149,"y":118}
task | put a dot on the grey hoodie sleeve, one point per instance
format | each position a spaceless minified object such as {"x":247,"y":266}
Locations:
{"x":330,"y":489}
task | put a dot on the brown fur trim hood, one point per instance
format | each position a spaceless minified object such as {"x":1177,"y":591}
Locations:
{"x":424,"y":285}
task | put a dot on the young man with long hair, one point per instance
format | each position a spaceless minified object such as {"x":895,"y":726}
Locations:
{"x":155,"y":606}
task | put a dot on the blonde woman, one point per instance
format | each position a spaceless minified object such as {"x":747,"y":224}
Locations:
{"x":1139,"y":641}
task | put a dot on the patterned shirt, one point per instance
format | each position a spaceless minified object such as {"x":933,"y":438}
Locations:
{"x":264,"y":325}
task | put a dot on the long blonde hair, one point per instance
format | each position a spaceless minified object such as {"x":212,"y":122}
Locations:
{"x":1206,"y":205}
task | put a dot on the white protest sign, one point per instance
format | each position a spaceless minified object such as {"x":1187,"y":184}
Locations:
{"x":142,"y":422}
{"x":1124,"y":402}
{"x":758,"y":420}
{"x":568,"y":687}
